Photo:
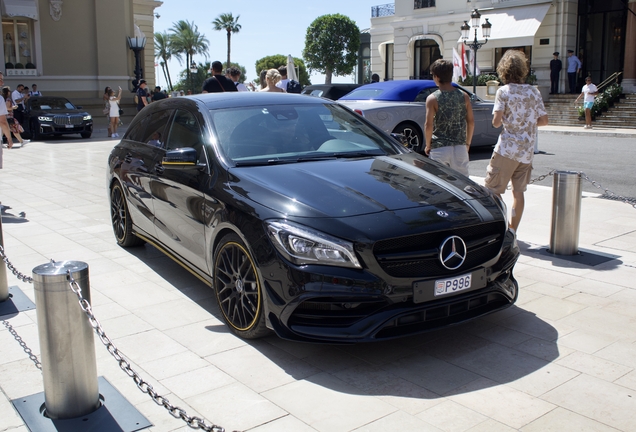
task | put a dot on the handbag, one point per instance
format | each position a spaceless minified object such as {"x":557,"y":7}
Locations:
{"x":121,"y":112}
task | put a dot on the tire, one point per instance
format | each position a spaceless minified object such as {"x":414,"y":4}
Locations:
{"x":238,"y":289}
{"x":412,"y":134}
{"x":86,"y":134}
{"x":35,"y":131}
{"x":120,"y":219}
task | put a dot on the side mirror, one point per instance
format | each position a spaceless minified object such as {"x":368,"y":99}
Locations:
{"x":183,"y":158}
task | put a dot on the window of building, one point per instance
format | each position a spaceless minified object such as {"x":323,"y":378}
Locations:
{"x":421,"y":4}
{"x":18,"y":43}
{"x":388,"y":66}
{"x":426,"y":51}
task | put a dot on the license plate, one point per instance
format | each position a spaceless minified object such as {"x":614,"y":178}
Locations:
{"x":68,"y":126}
{"x":452,"y":285}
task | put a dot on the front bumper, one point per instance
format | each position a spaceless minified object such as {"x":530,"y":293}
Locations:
{"x":47,"y":128}
{"x":348,"y":307}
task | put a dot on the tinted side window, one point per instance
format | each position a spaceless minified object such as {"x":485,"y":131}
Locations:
{"x":136,"y":131}
{"x":155,"y":133}
{"x":422,"y":95}
{"x":185,"y":132}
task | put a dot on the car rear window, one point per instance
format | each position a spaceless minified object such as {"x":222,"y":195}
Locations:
{"x":364,"y":94}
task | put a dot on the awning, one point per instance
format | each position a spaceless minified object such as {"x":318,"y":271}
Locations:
{"x":382,"y":50}
{"x":512,"y":27}
{"x":20,"y":8}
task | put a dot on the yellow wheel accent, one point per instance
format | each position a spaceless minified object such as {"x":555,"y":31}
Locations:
{"x":237,"y":287}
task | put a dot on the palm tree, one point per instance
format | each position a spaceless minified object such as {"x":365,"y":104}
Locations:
{"x":186,"y":39}
{"x":163,"y":52}
{"x":228,"y":23}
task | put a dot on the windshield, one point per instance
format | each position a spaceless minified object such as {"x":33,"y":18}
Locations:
{"x":286,"y":133}
{"x":51,"y":104}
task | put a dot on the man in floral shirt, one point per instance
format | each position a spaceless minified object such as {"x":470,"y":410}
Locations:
{"x":519,"y":108}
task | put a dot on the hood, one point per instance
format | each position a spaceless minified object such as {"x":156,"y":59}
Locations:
{"x":354,"y":187}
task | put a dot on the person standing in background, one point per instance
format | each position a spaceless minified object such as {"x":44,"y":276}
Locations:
{"x":574,"y":67}
{"x":519,"y":109}
{"x":142,"y":95}
{"x":555,"y":72}
{"x":4,"y":125}
{"x":449,"y":123}
{"x":34,"y":91}
{"x":588,"y":92}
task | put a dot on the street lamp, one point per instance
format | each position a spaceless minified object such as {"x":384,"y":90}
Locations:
{"x":137,"y":44}
{"x":475,"y":45}
{"x":193,"y":70}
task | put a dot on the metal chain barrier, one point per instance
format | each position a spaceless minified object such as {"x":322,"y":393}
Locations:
{"x":608,"y":194}
{"x":176,"y":412}
{"x":24,"y":346}
{"x":16,"y":273}
{"x":193,"y":422}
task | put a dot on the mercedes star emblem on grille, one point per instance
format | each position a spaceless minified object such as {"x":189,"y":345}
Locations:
{"x":452,"y":253}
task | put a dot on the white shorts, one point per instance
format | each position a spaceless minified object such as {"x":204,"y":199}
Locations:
{"x":455,"y":157}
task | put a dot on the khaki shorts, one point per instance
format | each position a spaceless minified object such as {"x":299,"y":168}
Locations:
{"x":502,"y":170}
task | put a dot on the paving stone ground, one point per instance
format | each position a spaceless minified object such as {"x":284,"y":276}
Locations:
{"x":562,"y":359}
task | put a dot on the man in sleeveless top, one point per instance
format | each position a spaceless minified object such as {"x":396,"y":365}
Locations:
{"x":218,"y":83}
{"x":449,"y":120}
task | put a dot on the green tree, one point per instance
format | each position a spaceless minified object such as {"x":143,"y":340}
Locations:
{"x":163,"y":52}
{"x":274,"y":61}
{"x":195,"y":81}
{"x":186,"y":39}
{"x":230,"y":24}
{"x":331,"y":45}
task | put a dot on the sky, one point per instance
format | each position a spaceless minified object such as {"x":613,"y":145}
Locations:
{"x":267,"y":28}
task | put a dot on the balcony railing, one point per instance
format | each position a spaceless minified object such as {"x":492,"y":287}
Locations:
{"x":383,"y":10}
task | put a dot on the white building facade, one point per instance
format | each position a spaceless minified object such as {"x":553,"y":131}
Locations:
{"x":408,"y":35}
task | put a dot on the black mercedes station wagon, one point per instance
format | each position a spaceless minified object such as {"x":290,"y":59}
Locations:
{"x":307,"y":220}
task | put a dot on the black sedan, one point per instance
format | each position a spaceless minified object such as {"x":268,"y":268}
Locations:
{"x":329,"y":91}
{"x":307,"y":220}
{"x":54,"y":116}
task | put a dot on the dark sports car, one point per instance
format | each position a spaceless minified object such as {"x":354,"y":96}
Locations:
{"x":329,"y":91}
{"x":306,"y":220}
{"x":52,"y":115}
{"x":400,"y":107}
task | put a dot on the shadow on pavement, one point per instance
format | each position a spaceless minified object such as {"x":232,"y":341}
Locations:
{"x":500,"y":348}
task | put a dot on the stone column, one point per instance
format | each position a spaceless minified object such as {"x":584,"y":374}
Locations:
{"x":629,"y":71}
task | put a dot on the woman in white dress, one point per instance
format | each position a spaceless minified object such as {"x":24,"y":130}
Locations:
{"x":114,"y":111}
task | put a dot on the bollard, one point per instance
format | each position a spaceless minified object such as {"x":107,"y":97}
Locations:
{"x":69,"y":366}
{"x":566,"y":213}
{"x":4,"y":285}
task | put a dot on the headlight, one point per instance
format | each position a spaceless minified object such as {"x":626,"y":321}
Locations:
{"x":303,"y":245}
{"x":45,"y":118}
{"x":87,"y":117}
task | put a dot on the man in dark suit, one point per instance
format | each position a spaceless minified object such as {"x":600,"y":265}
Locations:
{"x":218,"y":83}
{"x":555,"y":72}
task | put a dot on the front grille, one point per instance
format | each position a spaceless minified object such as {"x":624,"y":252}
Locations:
{"x":329,"y":312}
{"x":418,"y":255}
{"x":68,"y":120}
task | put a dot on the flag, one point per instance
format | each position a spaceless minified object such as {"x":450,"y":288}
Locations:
{"x":464,"y":61}
{"x":472,"y":63}
{"x":457,"y":66}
